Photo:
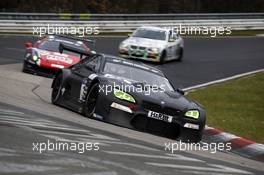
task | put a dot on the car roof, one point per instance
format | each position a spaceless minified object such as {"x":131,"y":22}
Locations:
{"x":135,"y":64}
{"x":61,"y":39}
{"x":154,"y":28}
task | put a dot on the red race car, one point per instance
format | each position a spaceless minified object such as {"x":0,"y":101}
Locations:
{"x":45,"y":59}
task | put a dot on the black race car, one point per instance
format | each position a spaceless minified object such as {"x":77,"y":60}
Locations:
{"x":129,"y":94}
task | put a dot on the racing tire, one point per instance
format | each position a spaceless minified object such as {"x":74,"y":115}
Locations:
{"x":56,"y":89}
{"x":24,"y":68}
{"x":162,"y":57}
{"x":180,"y":55}
{"x":190,"y":135}
{"x":90,"y":101}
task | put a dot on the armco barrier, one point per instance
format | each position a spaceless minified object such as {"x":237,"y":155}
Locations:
{"x":123,"y":23}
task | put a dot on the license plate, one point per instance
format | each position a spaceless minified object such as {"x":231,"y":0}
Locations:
{"x":159,"y":116}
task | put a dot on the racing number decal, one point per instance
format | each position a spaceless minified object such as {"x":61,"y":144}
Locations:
{"x":160,"y":116}
{"x":83,"y":90}
{"x":59,"y":58}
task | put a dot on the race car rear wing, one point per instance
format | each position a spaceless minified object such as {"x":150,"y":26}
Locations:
{"x":74,"y":49}
{"x":75,"y":38}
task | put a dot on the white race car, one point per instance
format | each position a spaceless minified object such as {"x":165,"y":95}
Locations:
{"x":152,"y":44}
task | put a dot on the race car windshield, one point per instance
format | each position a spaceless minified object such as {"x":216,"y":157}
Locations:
{"x":50,"y":46}
{"x":54,"y":47}
{"x":150,"y":34}
{"x":138,"y":75}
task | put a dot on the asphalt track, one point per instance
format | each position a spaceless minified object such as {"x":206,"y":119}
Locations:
{"x":27,"y":117}
{"x":205,"y":59}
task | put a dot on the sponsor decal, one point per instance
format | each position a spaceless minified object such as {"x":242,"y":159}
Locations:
{"x":59,"y":58}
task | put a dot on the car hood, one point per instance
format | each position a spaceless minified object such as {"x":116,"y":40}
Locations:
{"x":145,"y":42}
{"x":57,"y":58}
{"x":170,"y":99}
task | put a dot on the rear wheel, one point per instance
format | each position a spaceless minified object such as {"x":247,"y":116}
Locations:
{"x":56,"y":89}
{"x":91,"y":99}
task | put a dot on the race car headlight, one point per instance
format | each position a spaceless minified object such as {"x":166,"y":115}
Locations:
{"x":155,"y":50}
{"x":123,"y":46}
{"x":35,"y":58}
{"x":124,"y":96}
{"x":192,"y":114}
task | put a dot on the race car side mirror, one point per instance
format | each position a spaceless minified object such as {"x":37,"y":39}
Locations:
{"x":90,"y":67}
{"x":28,"y":45}
{"x":171,"y":40}
{"x":180,"y":91}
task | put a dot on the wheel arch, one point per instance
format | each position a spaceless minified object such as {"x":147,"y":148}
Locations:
{"x":163,"y":55}
{"x":94,"y":81}
{"x":65,"y":74}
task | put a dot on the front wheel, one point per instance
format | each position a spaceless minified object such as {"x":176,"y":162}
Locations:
{"x":56,"y":89}
{"x":191,"y":135}
{"x":162,"y":57}
{"x":24,"y":67}
{"x":90,"y":101}
{"x":180,"y":54}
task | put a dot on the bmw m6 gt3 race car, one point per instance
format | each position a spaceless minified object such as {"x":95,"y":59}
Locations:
{"x":127,"y":93}
{"x":153,"y":44}
{"x":44,"y":58}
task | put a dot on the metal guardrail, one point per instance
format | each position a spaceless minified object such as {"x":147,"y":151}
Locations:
{"x":124,"y":23}
{"x":88,"y":16}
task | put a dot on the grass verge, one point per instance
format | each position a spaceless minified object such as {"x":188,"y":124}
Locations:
{"x":236,"y":106}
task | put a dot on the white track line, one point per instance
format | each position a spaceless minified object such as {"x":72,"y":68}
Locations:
{"x":221,"y":80}
{"x":4,"y":111}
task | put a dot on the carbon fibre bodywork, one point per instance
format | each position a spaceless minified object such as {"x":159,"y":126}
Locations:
{"x":85,"y":88}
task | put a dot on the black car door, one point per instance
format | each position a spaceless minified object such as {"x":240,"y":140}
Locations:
{"x":80,"y":77}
